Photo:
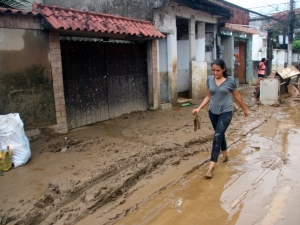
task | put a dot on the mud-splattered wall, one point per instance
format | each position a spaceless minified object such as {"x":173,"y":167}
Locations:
{"x":25,"y":79}
{"x":138,"y":9}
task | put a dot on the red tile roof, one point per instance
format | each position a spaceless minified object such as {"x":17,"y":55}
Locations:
{"x":73,"y":19}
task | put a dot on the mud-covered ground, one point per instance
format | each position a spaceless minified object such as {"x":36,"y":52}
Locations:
{"x":112,"y":167}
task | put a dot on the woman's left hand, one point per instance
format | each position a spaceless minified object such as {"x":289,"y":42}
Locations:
{"x":246,"y":113}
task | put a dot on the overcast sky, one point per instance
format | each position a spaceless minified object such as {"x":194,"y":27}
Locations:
{"x":266,"y":7}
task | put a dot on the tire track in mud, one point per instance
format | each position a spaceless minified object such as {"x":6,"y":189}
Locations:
{"x":67,"y":201}
{"x":70,"y":201}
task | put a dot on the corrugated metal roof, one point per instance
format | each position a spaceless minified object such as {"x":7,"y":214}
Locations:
{"x":288,"y":72}
{"x":73,"y":19}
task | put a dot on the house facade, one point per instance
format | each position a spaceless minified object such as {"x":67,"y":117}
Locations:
{"x":279,"y":56}
{"x":97,"y":63}
{"x":86,"y":66}
{"x":191,"y":30}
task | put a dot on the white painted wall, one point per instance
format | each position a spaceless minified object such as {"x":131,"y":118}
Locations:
{"x":259,"y":47}
{"x":163,"y":56}
{"x":259,"y":51}
{"x":183,"y":65}
{"x":163,"y":70}
{"x":180,"y":75}
{"x":279,"y":59}
{"x":200,"y":42}
{"x":295,"y":57}
{"x":163,"y":18}
{"x":199,"y":69}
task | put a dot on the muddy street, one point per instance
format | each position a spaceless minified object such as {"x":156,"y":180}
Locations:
{"x":148,"y":167}
{"x":259,"y":185}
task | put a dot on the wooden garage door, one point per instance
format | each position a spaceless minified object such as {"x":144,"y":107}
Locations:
{"x":103,"y":80}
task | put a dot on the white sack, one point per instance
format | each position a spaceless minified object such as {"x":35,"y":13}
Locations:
{"x":12,"y":134}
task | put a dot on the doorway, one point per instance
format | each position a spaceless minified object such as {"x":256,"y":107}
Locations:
{"x":240,"y":48}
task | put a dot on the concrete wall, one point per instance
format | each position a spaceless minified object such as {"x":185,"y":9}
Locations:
{"x":227,"y":42}
{"x":199,"y":69}
{"x":183,"y":68}
{"x":139,"y":9}
{"x":279,"y":59}
{"x":181,"y":54}
{"x":259,"y":47}
{"x":31,"y":81}
{"x":249,"y":64}
{"x":163,"y":18}
{"x":26,"y":47}
{"x":25,"y":74}
{"x":163,"y":70}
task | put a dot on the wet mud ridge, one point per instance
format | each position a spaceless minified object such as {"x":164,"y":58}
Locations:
{"x":103,"y":162}
{"x":71,"y":201}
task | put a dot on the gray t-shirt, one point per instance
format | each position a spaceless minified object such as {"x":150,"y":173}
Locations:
{"x":220,"y":100}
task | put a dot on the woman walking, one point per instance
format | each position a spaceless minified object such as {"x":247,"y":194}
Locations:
{"x":219,"y":89}
{"x":260,"y":72}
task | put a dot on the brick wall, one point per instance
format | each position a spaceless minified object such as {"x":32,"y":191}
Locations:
{"x":239,"y":16}
{"x":58,"y":86}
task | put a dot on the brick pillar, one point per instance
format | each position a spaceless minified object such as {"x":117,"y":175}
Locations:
{"x":155,"y":74}
{"x":58,"y":86}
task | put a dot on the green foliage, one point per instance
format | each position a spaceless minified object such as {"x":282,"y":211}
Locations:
{"x":281,"y":28}
{"x":296,"y":46}
{"x":13,"y":4}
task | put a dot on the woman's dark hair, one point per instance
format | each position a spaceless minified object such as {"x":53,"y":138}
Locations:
{"x":220,"y":63}
{"x":263,"y":59}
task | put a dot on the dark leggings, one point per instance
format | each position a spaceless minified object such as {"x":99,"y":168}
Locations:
{"x":220,"y":124}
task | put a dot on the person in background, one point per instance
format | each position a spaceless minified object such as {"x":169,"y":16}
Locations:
{"x":260,"y":72}
{"x":257,"y":88}
{"x":220,"y":86}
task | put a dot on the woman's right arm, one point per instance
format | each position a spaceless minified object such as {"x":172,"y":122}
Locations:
{"x":204,"y":103}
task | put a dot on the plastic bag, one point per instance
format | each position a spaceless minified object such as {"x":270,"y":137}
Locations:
{"x":12,"y":134}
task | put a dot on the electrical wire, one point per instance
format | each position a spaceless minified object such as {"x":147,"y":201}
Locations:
{"x":268,"y":7}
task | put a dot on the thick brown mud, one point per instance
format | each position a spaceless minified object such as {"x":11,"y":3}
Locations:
{"x":259,"y":185}
{"x":112,"y":170}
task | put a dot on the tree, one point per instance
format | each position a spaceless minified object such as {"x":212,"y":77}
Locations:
{"x":296,"y":46}
{"x":13,"y":4}
{"x":281,"y":28}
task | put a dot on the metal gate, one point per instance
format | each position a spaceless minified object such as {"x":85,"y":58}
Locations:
{"x":103,"y":80}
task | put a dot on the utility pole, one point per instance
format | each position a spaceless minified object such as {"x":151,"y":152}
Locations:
{"x":291,"y":31}
{"x":269,"y":51}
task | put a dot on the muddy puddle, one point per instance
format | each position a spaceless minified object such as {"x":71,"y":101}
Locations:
{"x":259,"y":185}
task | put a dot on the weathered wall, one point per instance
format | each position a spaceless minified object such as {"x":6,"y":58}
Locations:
{"x":25,"y":79}
{"x":199,"y":69}
{"x":279,"y":59}
{"x":249,"y":67}
{"x":183,"y":68}
{"x":239,"y":16}
{"x":227,"y":42}
{"x":163,"y":70}
{"x":259,"y":47}
{"x":163,"y":18}
{"x":139,"y":9}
